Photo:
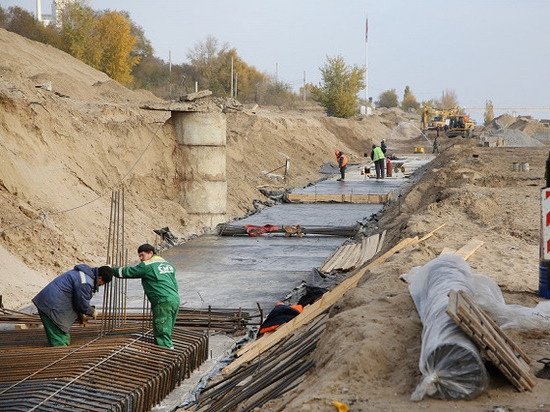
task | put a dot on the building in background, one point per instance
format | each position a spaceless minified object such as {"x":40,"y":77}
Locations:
{"x":55,"y":16}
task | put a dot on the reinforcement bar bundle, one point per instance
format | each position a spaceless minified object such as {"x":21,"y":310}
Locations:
{"x":122,"y":371}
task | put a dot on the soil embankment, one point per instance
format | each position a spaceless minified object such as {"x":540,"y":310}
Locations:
{"x":69,"y":135}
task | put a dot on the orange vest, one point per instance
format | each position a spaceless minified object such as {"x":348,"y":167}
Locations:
{"x":344,"y":161}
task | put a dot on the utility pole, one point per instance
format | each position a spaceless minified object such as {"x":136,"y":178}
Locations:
{"x":170,"y":71}
{"x":276,"y":73}
{"x":366,"y":63}
{"x":231,"y":94}
{"x":236,"y":83}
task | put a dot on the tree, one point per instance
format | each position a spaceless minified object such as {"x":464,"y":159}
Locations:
{"x":80,"y":35}
{"x":409,"y":101}
{"x":207,"y":59}
{"x":102,"y":40}
{"x":337,"y":92}
{"x":388,"y":99}
{"x":3,"y":18}
{"x":448,"y":100}
{"x":117,"y":44}
{"x":23,"y":23}
{"x":489,"y":114}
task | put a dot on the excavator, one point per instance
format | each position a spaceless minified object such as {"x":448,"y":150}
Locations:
{"x":460,"y":125}
{"x":457,"y":124}
{"x":440,"y":117}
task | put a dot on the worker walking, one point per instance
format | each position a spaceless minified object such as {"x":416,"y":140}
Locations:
{"x":158,"y":278}
{"x":342,"y":162}
{"x":436,"y":145}
{"x":66,"y":298}
{"x":378,"y":157}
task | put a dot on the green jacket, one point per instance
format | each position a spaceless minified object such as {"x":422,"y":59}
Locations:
{"x":377,"y":154}
{"x":158,"y":278}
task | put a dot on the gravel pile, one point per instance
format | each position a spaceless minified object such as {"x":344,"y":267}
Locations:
{"x":515,"y":138}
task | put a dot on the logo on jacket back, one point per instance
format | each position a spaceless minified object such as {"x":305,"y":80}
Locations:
{"x":164,"y":268}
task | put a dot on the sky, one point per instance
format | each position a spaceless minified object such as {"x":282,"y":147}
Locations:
{"x":480,"y":49}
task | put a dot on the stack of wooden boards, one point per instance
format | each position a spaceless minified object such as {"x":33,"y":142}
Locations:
{"x":353,"y":255}
{"x":491,"y":340}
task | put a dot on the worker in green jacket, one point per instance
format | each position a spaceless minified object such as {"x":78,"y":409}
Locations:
{"x":158,"y":278}
{"x":378,"y":157}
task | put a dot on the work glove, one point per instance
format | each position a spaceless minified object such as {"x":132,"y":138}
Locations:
{"x":94,"y":315}
{"x":82,"y":319}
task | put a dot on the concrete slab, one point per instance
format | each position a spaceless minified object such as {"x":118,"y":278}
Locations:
{"x":352,"y":185}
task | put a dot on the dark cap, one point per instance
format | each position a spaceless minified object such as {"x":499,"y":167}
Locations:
{"x":106,"y":273}
{"x":146,"y":247}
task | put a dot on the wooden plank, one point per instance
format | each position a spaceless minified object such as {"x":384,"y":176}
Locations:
{"x":495,"y":327}
{"x":369,"y":248}
{"x":469,"y":248}
{"x":428,"y":235}
{"x":340,"y":198}
{"x":253,"y":349}
{"x":447,"y":250}
{"x":491,"y":340}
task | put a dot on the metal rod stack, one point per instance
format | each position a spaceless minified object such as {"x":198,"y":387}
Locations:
{"x":277,"y":371}
{"x":124,"y":371}
{"x":114,"y":297}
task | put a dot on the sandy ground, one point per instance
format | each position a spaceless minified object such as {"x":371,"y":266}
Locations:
{"x":61,"y":152}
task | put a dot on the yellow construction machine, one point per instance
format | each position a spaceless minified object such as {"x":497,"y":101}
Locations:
{"x":440,"y":117}
{"x":460,"y":125}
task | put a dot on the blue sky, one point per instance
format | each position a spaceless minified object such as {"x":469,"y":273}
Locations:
{"x":481,"y":49}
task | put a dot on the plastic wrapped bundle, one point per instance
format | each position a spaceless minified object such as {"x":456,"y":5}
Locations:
{"x":450,"y":363}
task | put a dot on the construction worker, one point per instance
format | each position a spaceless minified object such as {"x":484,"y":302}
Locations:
{"x":158,"y":278}
{"x":378,"y":157}
{"x":436,"y":145}
{"x":67,"y":298}
{"x":342,"y":162}
{"x":383,"y":146}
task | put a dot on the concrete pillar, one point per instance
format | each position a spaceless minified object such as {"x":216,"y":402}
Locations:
{"x":204,"y":187}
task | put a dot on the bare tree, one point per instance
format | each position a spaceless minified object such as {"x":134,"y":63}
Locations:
{"x":448,"y":99}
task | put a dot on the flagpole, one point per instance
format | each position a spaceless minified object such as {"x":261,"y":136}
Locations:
{"x":366,"y":63}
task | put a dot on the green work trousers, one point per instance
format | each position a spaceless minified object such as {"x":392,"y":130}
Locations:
{"x":56,"y":337}
{"x":164,"y":320}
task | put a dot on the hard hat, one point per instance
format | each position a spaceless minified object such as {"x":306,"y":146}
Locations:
{"x":337,"y":152}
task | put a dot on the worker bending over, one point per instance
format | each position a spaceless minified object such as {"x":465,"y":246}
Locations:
{"x":158,"y":278}
{"x":342,"y":162}
{"x":66,"y":298}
